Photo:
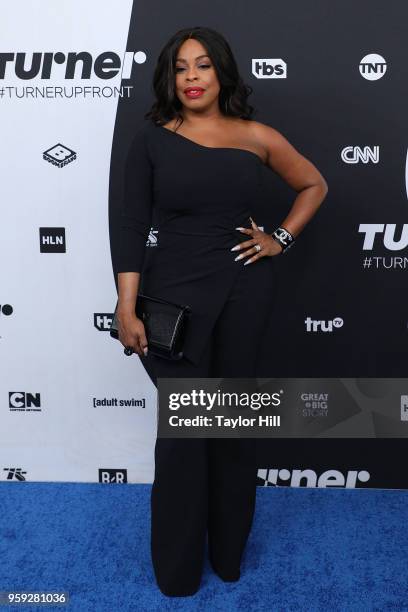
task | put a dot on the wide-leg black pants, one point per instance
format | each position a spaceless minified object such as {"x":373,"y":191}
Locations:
{"x":208,"y":485}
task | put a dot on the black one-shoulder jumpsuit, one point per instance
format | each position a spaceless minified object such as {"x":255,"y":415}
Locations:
{"x":200,"y":194}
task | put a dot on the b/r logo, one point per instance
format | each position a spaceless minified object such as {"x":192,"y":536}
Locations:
{"x":111,"y":475}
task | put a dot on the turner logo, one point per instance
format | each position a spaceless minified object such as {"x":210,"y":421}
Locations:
{"x":59,"y":155}
{"x":354,"y":155}
{"x":72,"y":65}
{"x":373,"y":67}
{"x":388,"y":236}
{"x":324,"y":326}
{"x":269,"y":68}
{"x":309,"y":478}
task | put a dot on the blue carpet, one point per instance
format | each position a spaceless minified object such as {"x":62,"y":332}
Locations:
{"x":309,"y":550}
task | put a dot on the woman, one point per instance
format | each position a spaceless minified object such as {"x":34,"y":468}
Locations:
{"x":198,"y":161}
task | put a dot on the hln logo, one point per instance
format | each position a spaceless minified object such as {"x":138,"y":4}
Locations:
{"x":52,"y":240}
{"x":109,"y":475}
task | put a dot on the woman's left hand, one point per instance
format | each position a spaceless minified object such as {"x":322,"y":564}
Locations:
{"x":269,"y":246}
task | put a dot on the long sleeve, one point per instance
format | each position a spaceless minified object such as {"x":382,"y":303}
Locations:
{"x":136,"y":212}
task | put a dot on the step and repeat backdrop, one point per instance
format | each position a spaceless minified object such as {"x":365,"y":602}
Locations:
{"x":75,"y":82}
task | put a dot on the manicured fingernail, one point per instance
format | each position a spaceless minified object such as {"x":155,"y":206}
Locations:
{"x":239,"y":257}
{"x":247,"y":262}
{"x":145,"y":351}
{"x":239,"y":228}
{"x":236,"y":248}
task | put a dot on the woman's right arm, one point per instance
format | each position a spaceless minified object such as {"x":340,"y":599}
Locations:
{"x":128,"y":244}
{"x":130,"y":328}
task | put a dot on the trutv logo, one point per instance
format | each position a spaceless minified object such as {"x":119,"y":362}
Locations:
{"x":71,"y":65}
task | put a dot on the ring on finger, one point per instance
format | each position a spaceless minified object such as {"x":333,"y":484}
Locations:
{"x":258,"y":247}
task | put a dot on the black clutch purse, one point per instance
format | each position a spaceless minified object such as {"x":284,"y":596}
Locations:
{"x":165,"y":325}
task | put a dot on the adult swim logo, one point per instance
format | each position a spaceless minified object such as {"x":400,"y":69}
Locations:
{"x":72,"y":65}
{"x":52,"y":240}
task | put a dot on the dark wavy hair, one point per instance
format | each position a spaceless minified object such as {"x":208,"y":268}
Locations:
{"x":233,"y":94}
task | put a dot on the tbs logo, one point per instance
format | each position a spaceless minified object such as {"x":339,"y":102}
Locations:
{"x":269,"y":68}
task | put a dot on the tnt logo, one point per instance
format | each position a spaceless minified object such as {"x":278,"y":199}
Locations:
{"x":373,"y":67}
{"x":21,"y":401}
{"x":103,"y":320}
{"x":59,"y":155}
{"x":109,"y":476}
{"x":269,"y":68}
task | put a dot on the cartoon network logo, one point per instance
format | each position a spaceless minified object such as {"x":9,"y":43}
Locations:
{"x":71,"y":65}
{"x":309,"y":478}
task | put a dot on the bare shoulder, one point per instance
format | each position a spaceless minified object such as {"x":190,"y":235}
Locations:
{"x":263,"y":138}
{"x":266,"y":135}
{"x":284,"y":158}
